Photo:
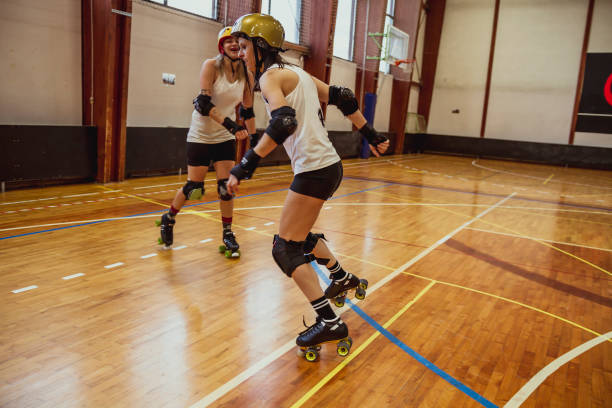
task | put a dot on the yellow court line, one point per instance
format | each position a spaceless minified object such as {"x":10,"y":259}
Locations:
{"x":363,"y":346}
{"x":507,"y":229}
{"x":548,"y":179}
{"x":199,"y":214}
{"x":478,"y":291}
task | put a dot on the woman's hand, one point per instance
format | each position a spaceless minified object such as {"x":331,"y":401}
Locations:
{"x":232,"y":184}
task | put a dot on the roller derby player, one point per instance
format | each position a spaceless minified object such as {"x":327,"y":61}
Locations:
{"x":224,"y":83}
{"x":292,"y":98}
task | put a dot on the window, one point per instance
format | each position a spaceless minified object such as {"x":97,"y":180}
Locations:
{"x":384,"y":66}
{"x":345,"y":29}
{"x":204,"y":8}
{"x":288,"y":12}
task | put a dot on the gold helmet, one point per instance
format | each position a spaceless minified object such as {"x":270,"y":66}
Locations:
{"x":224,"y":34}
{"x":263,"y":26}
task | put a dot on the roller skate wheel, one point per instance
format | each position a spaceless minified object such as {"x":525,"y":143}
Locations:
{"x":339,"y":302}
{"x":349,"y":341}
{"x":343,"y":348}
{"x":221,"y":248}
{"x":228,"y":253}
{"x":311,"y":355}
{"x":159,"y":241}
{"x":360,"y":293}
{"x":363,"y":284}
{"x":158,"y":223}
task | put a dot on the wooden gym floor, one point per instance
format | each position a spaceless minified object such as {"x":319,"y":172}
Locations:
{"x":490,"y":285}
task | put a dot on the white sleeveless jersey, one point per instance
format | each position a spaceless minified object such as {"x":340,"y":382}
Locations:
{"x":226,"y":95}
{"x":309,"y":147}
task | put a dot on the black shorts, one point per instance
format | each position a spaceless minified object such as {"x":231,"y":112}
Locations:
{"x":201,"y":154}
{"x":321,"y":183}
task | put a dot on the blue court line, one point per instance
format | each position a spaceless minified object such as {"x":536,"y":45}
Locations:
{"x":130,"y":216}
{"x":534,"y":200}
{"x":454,"y":382}
{"x":159,"y":211}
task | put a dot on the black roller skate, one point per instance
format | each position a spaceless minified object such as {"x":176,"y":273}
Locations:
{"x":166,"y":225}
{"x":338,"y":289}
{"x":230,"y":246}
{"x":309,"y":341}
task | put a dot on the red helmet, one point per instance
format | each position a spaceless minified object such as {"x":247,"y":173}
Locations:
{"x":224,"y":34}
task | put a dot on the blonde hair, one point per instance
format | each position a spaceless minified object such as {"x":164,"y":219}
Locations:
{"x":240,"y":72}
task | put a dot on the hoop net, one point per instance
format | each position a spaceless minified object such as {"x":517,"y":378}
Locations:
{"x":405,"y":64}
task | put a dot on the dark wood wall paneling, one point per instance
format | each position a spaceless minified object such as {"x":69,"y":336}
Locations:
{"x":407,"y":16}
{"x":580,"y":81}
{"x":433,"y":32}
{"x":106,"y":63}
{"x":366,"y":80}
{"x":485,"y":106}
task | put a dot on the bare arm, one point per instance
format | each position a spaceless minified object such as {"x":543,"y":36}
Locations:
{"x":208,"y":75}
{"x":357,"y":118}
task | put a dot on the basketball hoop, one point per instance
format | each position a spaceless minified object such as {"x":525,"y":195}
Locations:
{"x":407,"y":64}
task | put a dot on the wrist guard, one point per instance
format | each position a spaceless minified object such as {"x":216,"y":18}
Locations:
{"x":246,"y":113}
{"x":371,"y":136}
{"x":245,"y":169}
{"x":231,"y":126}
{"x":203,"y":104}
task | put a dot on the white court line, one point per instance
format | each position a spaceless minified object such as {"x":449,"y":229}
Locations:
{"x":178,"y":248}
{"x":535,"y":177}
{"x":114,"y":265}
{"x":76,"y":275}
{"x":261,"y":364}
{"x":544,"y":373}
{"x":250,"y":228}
{"x":29,"y":201}
{"x":148,"y":256}
{"x":335,"y":204}
{"x":539,"y":239}
{"x":205,"y":240}
{"x":80,"y":195}
{"x":111,"y":191}
{"x":24,"y":289}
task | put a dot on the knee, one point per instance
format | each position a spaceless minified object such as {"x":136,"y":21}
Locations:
{"x":224,"y":195}
{"x":288,"y":255}
{"x":193,"y":190}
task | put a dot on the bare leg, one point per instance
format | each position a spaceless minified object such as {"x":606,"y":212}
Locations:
{"x":299,"y":215}
{"x":223,"y":168}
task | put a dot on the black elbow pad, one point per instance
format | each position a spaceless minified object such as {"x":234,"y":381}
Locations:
{"x":282,"y":124}
{"x":203,"y":104}
{"x":344,"y":99}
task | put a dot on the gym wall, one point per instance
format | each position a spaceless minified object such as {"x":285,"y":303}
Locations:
{"x":536,"y":63}
{"x":40,"y":44}
{"x":600,"y":41}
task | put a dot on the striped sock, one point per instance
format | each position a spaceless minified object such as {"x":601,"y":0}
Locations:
{"x":336,"y":272}
{"x":323,"y":309}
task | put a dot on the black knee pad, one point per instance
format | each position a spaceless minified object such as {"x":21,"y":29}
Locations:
{"x":193,"y":190}
{"x":288,"y":255}
{"x":224,"y":195}
{"x":311,"y":242}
